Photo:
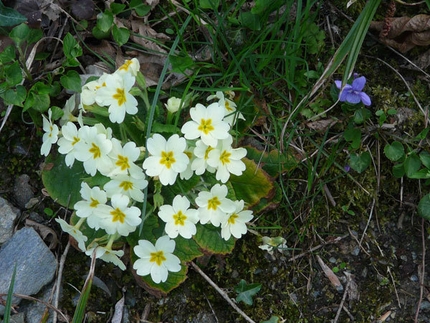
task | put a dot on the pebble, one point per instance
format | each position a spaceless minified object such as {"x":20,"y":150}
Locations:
{"x":7,"y":220}
{"x":35,"y":264}
{"x":22,"y":191}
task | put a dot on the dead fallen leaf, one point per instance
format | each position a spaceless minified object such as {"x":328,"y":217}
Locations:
{"x":334,"y":280}
{"x":321,"y":125}
{"x":47,"y":234}
{"x":405,"y":33}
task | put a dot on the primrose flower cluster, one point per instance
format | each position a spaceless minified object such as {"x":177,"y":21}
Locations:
{"x":204,"y":146}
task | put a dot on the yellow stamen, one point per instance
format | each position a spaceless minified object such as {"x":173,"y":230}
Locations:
{"x":180,"y":218}
{"x":232,"y":218}
{"x":157,"y":257}
{"x":206,"y":126}
{"x":120,"y":96}
{"x":225,"y":157}
{"x":213,"y":203}
{"x":122,"y":162}
{"x":95,"y":150}
{"x":94,"y":203}
{"x":117,"y":215}
{"x":167,"y":158}
{"x":126,"y":185}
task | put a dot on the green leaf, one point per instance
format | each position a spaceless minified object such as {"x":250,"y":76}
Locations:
{"x":13,"y":74}
{"x":399,"y":170}
{"x":209,"y":4}
{"x":71,"y":81}
{"x":7,"y":55}
{"x":72,"y":50}
{"x":359,"y":163}
{"x":120,"y":35}
{"x":424,"y":207}
{"x":246,"y":291}
{"x":273,"y":162}
{"x":273,"y":319}
{"x":15,"y":96}
{"x":19,"y":34}
{"x":10,"y":17}
{"x":361,"y":115}
{"x":395,"y":151}
{"x":38,"y":98}
{"x":140,"y":8}
{"x":253,"y":185}
{"x":354,"y":136}
{"x":117,"y":8}
{"x":55,"y":168}
{"x":425,"y":158}
{"x":412,"y":164}
{"x":209,"y":239}
{"x":421,"y":174}
{"x":180,"y":63}
{"x":105,"y":21}
{"x":249,"y":20}
{"x":423,"y":134}
{"x":97,"y":33}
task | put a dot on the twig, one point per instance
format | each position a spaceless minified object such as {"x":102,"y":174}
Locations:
{"x":59,"y":278}
{"x":317,"y":247}
{"x":221,"y":292}
{"x":422,"y":273}
{"x":348,"y":282}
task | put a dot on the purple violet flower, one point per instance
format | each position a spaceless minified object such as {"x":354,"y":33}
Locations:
{"x":353,"y":93}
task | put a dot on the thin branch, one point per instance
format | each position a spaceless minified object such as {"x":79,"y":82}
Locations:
{"x":221,"y":292}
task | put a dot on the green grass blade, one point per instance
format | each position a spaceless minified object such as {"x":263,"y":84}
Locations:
{"x":79,"y":315}
{"x":428,"y":3}
{"x":8,"y":306}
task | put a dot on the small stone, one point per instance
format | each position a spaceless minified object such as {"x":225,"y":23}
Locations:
{"x":7,"y":220}
{"x":22,"y":191}
{"x":35,"y":264}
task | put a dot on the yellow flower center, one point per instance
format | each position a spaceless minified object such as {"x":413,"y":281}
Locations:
{"x":228,"y":107}
{"x":126,"y":65}
{"x":157,"y":257}
{"x":232,"y":218}
{"x":117,"y":215}
{"x":206,"y":126}
{"x":126,"y":185}
{"x":122,"y":162}
{"x":94,"y":203}
{"x":167,"y":158}
{"x":75,"y":140}
{"x":180,"y":218}
{"x":120,"y":96}
{"x":95,"y":150}
{"x":213,"y":203}
{"x":208,"y":150}
{"x":225,"y":157}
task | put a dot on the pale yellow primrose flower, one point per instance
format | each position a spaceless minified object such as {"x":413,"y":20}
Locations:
{"x":179,"y":218}
{"x":106,"y":254}
{"x":50,"y":136}
{"x":94,"y":200}
{"x":236,"y":223}
{"x":231,"y":115}
{"x":74,"y":232}
{"x":126,"y":185}
{"x":93,"y":150}
{"x":66,"y":144}
{"x":206,"y":124}
{"x":167,"y":158}
{"x":156,"y":260}
{"x":68,"y":110}
{"x":120,"y":218}
{"x":131,"y":66}
{"x":123,"y":158}
{"x":200,"y":162}
{"x":226,"y":160}
{"x":173,"y":104}
{"x":116,"y":96}
{"x":214,"y":206}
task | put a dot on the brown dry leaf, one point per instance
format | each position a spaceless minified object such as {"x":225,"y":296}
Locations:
{"x":405,"y":33}
{"x":47,"y":234}
{"x":334,"y":280}
{"x":321,"y":125}
{"x":146,"y":34}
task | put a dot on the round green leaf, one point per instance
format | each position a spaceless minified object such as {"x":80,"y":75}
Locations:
{"x":209,"y":239}
{"x":424,"y":207}
{"x":359,"y":163}
{"x":395,"y":151}
{"x":412,"y":164}
{"x":62,"y":183}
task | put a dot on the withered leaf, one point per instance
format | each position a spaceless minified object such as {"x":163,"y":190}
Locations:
{"x":404,"y":32}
